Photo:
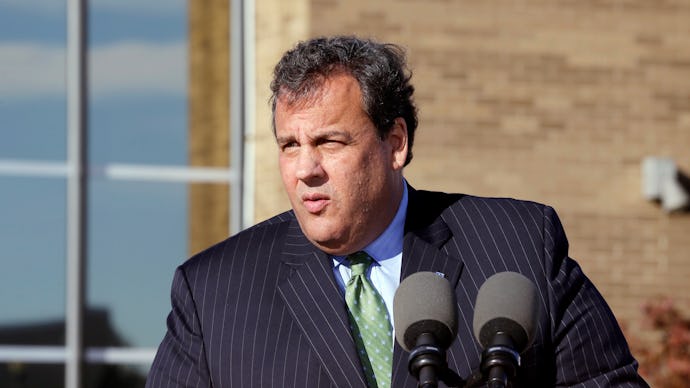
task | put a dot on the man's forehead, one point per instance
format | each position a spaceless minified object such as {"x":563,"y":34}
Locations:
{"x":291,"y":100}
{"x":315,"y":89}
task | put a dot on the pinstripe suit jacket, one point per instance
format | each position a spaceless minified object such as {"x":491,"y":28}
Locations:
{"x":262,"y":309}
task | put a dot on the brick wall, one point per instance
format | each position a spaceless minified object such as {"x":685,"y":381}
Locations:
{"x":553,"y":101}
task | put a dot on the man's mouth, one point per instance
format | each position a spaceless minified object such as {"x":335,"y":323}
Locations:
{"x":315,"y":203}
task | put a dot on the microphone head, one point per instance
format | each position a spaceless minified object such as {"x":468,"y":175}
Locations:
{"x":507,"y":302}
{"x":425,"y":303}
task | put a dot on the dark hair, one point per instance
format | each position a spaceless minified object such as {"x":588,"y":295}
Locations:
{"x":379,"y":68}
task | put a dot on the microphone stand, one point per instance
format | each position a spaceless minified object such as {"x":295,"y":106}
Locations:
{"x":500,"y":361}
{"x":426,"y":361}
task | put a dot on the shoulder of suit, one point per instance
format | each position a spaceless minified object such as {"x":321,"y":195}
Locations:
{"x":250,"y":239}
{"x":452,"y":202}
{"x":501,"y":202}
{"x":428,"y":207}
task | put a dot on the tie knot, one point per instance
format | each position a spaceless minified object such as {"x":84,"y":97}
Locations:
{"x":359,"y":263}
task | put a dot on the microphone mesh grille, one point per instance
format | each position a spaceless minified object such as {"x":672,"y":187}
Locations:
{"x":425,"y":302}
{"x":506,"y":302}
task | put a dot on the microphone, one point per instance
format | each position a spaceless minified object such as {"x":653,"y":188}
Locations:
{"x":426,"y":320}
{"x":505,"y":322}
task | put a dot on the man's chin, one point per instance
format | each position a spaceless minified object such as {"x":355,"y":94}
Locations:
{"x":329,"y":244}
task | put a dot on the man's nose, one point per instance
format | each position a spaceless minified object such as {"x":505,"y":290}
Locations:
{"x":309,"y":164}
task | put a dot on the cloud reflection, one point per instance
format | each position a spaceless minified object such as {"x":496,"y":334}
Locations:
{"x":35,"y":69}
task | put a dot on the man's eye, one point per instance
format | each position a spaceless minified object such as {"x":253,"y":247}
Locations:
{"x":287,"y":146}
{"x":331,"y":143}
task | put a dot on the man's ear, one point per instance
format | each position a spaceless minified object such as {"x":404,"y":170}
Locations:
{"x":397,"y":139}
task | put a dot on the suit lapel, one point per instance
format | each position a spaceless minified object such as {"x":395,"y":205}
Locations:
{"x":419,"y":255}
{"x":425,"y":235}
{"x":317,"y":306}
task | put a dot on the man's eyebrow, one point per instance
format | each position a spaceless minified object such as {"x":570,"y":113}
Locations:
{"x":319,"y":135}
{"x":332,"y":133}
{"x":284,"y":139}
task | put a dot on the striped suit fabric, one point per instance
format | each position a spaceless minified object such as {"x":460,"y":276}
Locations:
{"x":262,"y":309}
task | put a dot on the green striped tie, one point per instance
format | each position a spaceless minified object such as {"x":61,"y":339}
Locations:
{"x":370,"y":324}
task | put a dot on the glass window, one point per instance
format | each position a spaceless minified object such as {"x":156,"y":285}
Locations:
{"x":138,"y":80}
{"x":32,"y":280}
{"x":26,"y":375}
{"x":137,"y":237}
{"x":122,"y":375}
{"x":32,"y":86}
{"x":138,"y":129}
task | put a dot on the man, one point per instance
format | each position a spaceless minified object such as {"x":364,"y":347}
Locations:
{"x":280,"y":304}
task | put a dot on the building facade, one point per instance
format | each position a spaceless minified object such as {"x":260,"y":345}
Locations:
{"x":558,"y":102}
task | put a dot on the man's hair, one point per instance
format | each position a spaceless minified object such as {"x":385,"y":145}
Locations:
{"x":379,"y":68}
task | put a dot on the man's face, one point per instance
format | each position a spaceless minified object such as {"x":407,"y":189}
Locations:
{"x":343,"y":181}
